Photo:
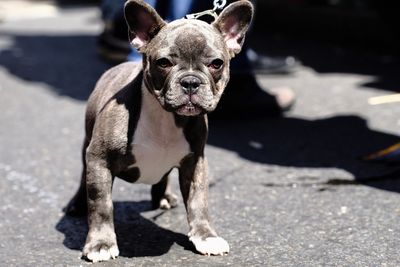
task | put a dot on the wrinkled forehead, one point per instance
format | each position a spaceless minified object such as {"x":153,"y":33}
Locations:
{"x":190,"y":37}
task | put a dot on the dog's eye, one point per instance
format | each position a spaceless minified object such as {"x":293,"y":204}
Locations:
{"x":216,"y":64}
{"x":164,"y":63}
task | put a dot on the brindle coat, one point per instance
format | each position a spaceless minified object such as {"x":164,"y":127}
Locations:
{"x":140,"y":123}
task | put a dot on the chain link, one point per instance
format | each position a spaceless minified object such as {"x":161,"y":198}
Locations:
{"x":208,"y":15}
{"x":219,"y":4}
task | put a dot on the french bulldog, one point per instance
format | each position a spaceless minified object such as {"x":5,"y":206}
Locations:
{"x":143,"y":120}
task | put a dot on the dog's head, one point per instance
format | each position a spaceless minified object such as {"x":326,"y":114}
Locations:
{"x":186,"y":62}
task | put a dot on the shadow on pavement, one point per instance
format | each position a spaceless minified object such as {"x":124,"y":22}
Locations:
{"x":136,"y":235}
{"x":68,"y":64}
{"x":336,"y":142}
{"x":326,"y":57}
{"x":71,"y":66}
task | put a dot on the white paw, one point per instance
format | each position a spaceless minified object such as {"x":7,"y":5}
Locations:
{"x":169,"y":201}
{"x":164,"y":204}
{"x":103,"y":254}
{"x":211,"y":245}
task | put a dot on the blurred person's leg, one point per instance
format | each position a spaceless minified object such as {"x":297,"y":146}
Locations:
{"x":113,"y":45}
{"x":244,"y":97}
{"x":248,"y":58}
{"x":178,"y":9}
{"x":170,"y":10}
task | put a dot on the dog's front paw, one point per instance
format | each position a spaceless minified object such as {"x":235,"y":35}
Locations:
{"x":100,"y":250}
{"x":210,"y":245}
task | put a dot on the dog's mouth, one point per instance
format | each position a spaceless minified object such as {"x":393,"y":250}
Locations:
{"x":189,"y":109}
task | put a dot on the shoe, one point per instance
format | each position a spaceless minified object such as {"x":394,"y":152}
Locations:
{"x":244,"y":98}
{"x":285,"y":97}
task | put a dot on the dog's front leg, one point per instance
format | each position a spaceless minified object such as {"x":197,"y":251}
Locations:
{"x":193,"y":181}
{"x":101,"y":241}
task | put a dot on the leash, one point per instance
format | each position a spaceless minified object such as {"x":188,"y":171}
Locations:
{"x":209,"y":15}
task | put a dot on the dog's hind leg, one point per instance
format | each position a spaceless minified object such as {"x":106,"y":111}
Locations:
{"x":78,"y":204}
{"x":161,"y":194}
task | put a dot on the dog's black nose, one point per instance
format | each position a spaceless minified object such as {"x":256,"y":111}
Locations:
{"x":190,"y":84}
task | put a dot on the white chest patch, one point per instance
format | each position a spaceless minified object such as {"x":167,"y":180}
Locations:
{"x":158,"y":144}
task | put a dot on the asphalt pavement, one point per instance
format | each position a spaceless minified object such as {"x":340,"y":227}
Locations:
{"x":286,"y":191}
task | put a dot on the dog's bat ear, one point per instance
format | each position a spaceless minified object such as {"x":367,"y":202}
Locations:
{"x":233,"y":23}
{"x":143,"y":22}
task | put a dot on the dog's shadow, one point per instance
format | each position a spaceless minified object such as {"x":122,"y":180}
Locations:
{"x":136,"y":236}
